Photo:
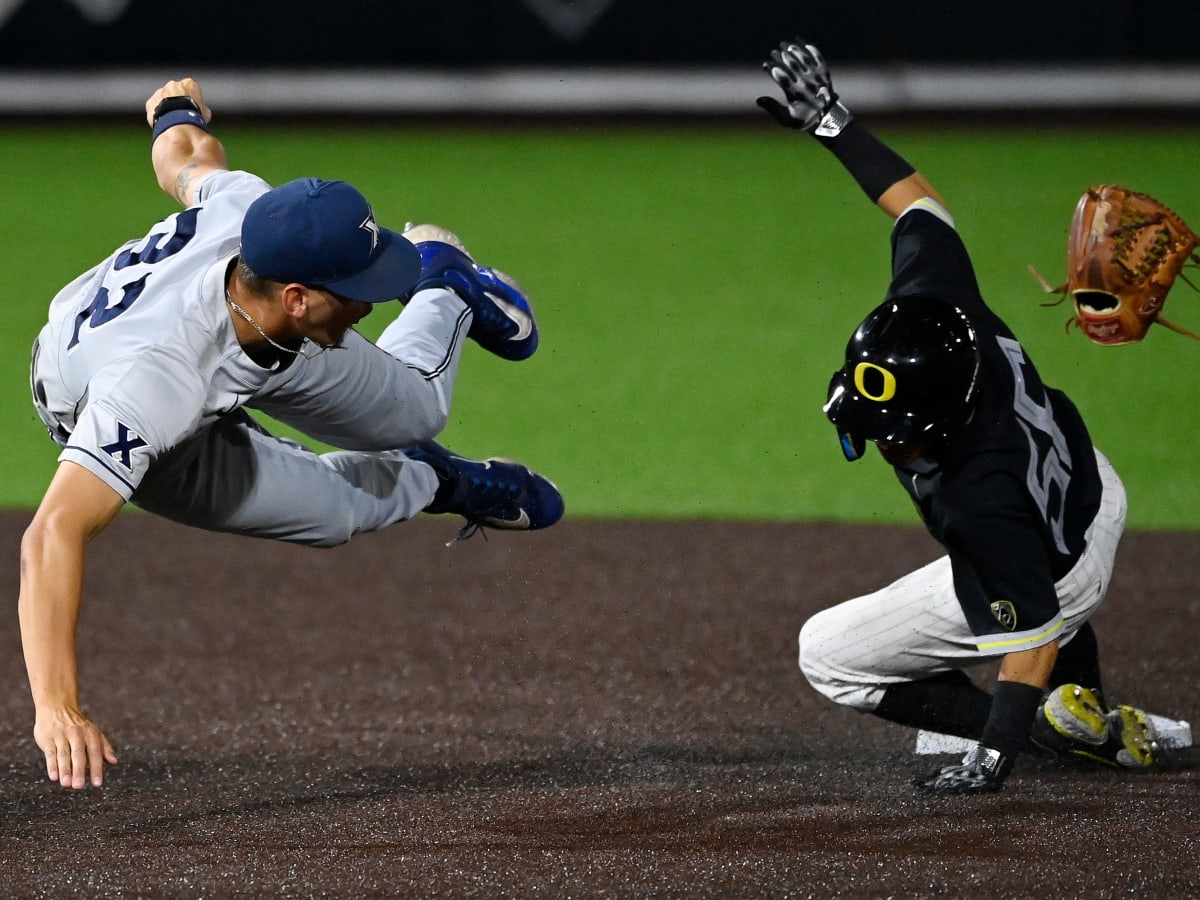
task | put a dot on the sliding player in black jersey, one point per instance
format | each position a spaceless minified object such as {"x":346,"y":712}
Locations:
{"x":1005,"y":476}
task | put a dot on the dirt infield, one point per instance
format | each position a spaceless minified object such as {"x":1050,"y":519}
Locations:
{"x":600,"y":710}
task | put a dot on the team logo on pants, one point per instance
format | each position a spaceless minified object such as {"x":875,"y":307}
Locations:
{"x":1005,"y":613}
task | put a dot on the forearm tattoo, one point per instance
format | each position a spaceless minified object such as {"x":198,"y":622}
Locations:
{"x":183,"y":182}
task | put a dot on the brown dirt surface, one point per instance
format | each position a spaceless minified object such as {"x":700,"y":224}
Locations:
{"x":604,"y":709}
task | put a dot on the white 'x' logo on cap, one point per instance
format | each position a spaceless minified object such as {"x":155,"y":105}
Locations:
{"x":369,"y":224}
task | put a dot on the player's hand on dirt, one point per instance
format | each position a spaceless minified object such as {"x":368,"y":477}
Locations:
{"x":184,"y":87}
{"x":812,"y":104}
{"x":981,"y":770}
{"x":75,"y":747}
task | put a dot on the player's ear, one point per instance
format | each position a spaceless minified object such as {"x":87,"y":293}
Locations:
{"x":295,"y":299}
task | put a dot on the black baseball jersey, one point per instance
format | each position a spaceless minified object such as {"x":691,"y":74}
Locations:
{"x":1012,"y":494}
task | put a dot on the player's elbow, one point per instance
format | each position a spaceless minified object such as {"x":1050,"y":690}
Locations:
{"x":47,"y":532}
{"x":33,"y":542}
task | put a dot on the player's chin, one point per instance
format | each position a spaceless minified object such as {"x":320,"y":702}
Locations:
{"x":899,"y":454}
{"x":330,"y":340}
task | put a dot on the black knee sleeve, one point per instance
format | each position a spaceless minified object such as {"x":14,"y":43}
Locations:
{"x":948,"y":703}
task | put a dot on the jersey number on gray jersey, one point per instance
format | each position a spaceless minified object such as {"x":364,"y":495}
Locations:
{"x":181,"y":227}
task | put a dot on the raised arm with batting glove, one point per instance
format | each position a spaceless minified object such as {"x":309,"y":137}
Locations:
{"x":813,"y":106}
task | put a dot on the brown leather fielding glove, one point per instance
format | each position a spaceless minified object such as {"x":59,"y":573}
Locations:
{"x":1124,"y":252}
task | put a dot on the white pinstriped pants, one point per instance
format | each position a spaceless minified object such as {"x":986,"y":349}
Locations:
{"x":915,"y":628}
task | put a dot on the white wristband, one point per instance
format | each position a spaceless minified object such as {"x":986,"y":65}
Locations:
{"x":834,"y":121}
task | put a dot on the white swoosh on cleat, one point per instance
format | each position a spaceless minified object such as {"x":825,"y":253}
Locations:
{"x":521,"y":522}
{"x":515,"y":313}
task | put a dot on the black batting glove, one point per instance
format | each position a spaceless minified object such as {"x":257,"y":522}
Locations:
{"x":982,"y":770}
{"x":812,"y":104}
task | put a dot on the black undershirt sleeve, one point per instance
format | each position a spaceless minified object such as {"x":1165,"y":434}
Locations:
{"x":874,"y":165}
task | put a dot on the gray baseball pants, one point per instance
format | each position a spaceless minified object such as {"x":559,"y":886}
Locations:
{"x":371,"y":399}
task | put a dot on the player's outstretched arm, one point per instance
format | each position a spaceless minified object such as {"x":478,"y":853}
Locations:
{"x":77,"y":506}
{"x":812,"y":105}
{"x":182,"y":148}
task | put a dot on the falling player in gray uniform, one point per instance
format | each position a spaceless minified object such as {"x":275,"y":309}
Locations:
{"x":248,"y":298}
{"x":1004,"y":474}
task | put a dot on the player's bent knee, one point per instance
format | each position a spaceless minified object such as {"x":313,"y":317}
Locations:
{"x":430,"y":425}
{"x":819,"y":665}
{"x":416,"y":427}
{"x":813,"y":641}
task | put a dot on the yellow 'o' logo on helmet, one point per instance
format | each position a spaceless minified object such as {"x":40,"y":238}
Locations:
{"x":874,"y":382}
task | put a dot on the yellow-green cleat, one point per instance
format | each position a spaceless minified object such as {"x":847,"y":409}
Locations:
{"x":1072,"y":721}
{"x":1132,"y":729}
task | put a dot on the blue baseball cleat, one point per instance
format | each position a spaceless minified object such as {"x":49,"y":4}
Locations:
{"x":492,"y":493}
{"x":503,"y":320}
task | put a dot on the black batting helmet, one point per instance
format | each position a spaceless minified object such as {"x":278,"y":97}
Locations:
{"x":910,"y":375}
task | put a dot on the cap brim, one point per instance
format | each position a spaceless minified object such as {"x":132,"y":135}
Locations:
{"x":392,"y":274}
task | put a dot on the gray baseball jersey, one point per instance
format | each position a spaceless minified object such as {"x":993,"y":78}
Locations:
{"x":139,"y":377}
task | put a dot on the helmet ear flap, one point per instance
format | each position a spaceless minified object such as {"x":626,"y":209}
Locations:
{"x":853,"y":447}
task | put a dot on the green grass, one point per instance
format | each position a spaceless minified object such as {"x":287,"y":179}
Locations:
{"x":695,"y":289}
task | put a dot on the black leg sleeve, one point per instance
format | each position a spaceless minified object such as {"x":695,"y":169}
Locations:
{"x":948,"y":703}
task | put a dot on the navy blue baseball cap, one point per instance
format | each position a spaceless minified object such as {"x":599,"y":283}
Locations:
{"x":323,"y":233}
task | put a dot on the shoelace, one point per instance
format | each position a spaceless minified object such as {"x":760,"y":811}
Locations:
{"x":468,"y":531}
{"x":502,"y":496}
